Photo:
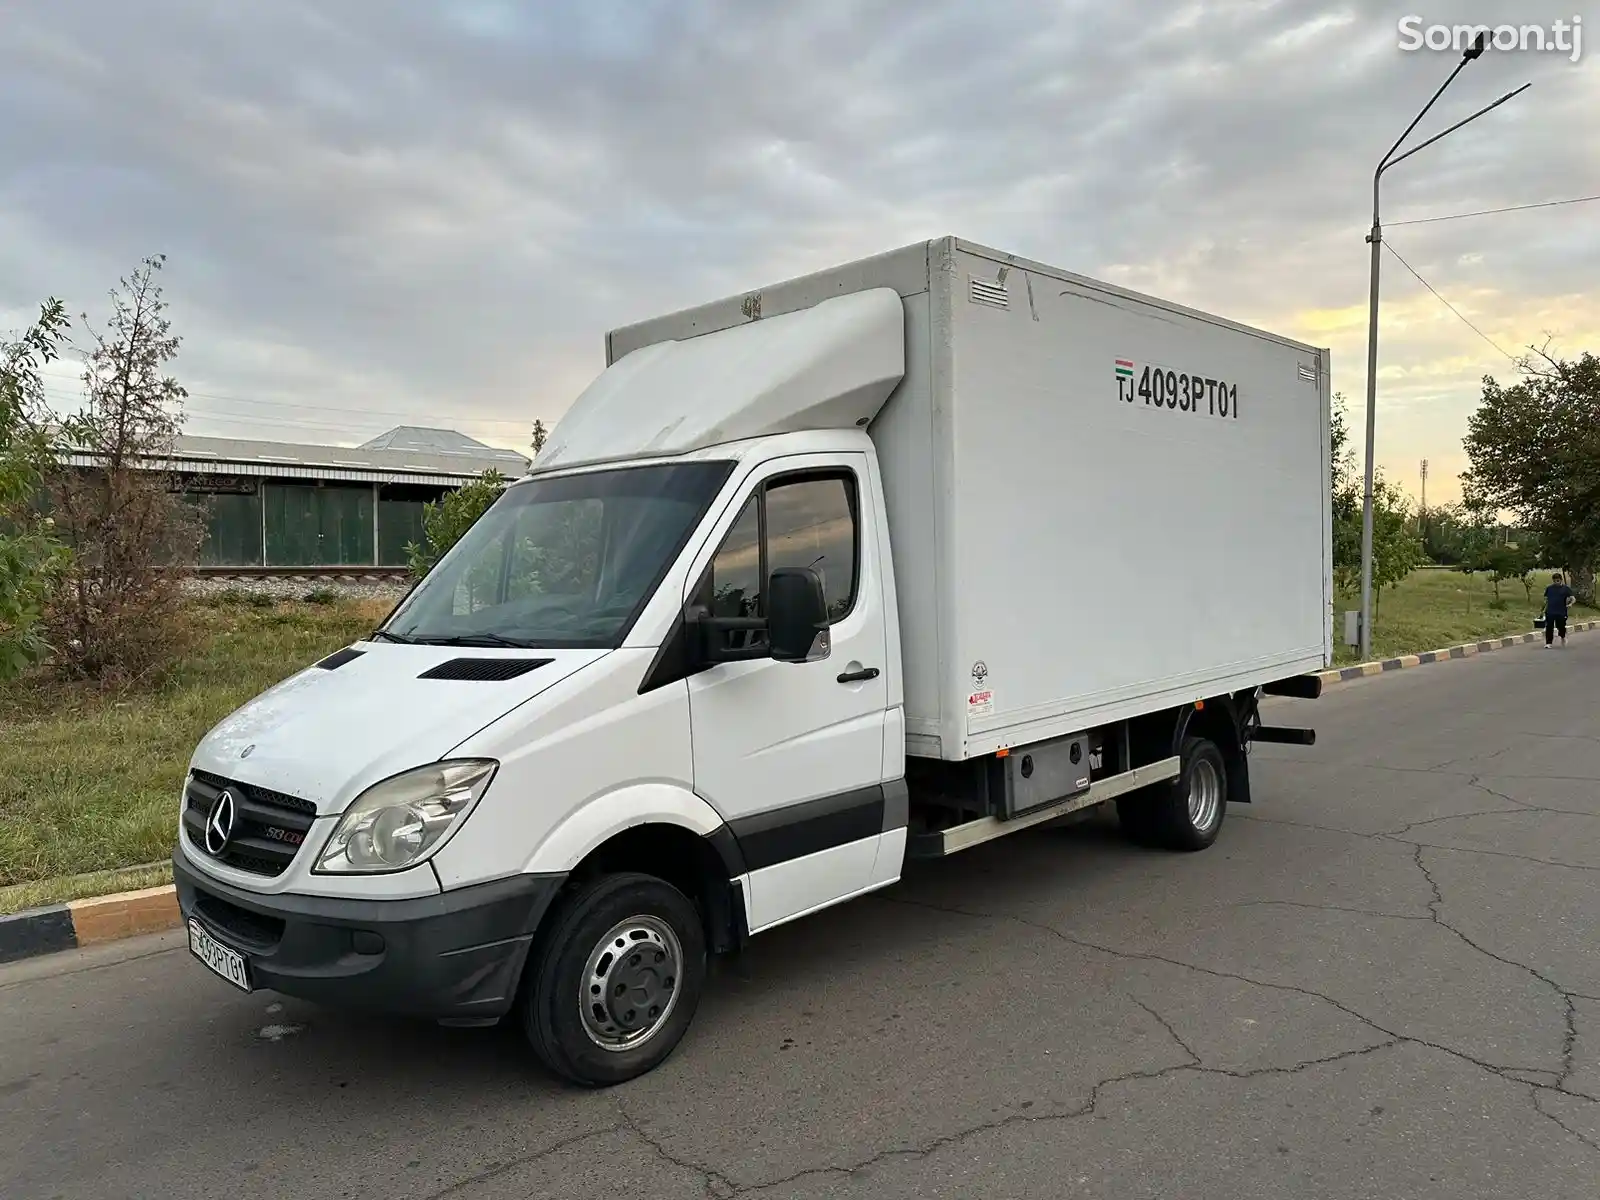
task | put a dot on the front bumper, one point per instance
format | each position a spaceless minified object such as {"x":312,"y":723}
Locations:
{"x":455,"y":956}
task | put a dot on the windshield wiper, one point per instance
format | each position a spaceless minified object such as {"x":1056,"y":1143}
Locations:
{"x":383,"y":635}
{"x":475,"y":639}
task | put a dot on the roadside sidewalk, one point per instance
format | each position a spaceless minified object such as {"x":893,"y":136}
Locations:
{"x":1406,"y":661}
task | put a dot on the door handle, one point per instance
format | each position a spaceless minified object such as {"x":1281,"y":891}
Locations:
{"x":861,"y":676}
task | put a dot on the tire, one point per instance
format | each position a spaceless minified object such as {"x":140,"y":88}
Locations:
{"x":1163,"y":817}
{"x":613,"y":1038}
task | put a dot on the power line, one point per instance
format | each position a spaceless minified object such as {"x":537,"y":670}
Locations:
{"x":283,"y":429}
{"x":503,"y":425}
{"x":1445,"y":302}
{"x":287,"y":421}
{"x":476,"y":418}
{"x":362,"y":412}
{"x":1486,"y":212}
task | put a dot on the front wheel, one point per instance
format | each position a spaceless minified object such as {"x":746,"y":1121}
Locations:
{"x":1187,"y":813}
{"x":614,"y":985}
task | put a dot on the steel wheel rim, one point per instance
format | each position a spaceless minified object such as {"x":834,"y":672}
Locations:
{"x":1205,"y":794}
{"x":630,"y":983}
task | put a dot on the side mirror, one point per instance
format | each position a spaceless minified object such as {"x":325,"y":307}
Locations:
{"x":797,"y":615}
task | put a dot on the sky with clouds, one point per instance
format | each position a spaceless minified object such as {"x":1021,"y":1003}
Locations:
{"x":429,"y":211}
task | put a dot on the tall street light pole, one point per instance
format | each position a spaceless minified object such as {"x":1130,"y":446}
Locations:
{"x":1375,"y":239}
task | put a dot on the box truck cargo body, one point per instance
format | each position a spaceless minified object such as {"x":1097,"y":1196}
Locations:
{"x":886,"y":561}
{"x":1100,"y":503}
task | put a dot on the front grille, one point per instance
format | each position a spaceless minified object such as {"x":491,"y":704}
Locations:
{"x":238,"y":925}
{"x":268,"y":828}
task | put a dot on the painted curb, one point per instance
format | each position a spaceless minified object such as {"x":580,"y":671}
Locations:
{"x":1467,"y":650}
{"x":151,"y":910}
{"x":88,"y":922}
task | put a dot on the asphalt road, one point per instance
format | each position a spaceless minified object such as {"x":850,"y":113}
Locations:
{"x":1383,"y":981}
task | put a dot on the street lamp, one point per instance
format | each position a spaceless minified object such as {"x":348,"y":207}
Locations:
{"x":1375,"y":239}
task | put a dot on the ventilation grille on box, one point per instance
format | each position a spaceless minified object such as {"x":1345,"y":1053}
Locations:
{"x":985,"y":291}
{"x":339,"y":657}
{"x":1309,"y":374}
{"x":483,"y":670}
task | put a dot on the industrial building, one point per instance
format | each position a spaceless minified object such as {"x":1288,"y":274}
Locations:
{"x":282,"y":504}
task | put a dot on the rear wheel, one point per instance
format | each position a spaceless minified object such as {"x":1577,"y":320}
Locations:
{"x":1187,"y":813}
{"x":615,"y":983}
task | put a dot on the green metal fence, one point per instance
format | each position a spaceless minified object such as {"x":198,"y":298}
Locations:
{"x":305,"y":525}
{"x":233,"y":530}
{"x":399,"y":523}
{"x":318,"y":526}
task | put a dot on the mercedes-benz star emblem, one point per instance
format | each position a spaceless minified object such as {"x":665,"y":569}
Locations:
{"x":219,"y":824}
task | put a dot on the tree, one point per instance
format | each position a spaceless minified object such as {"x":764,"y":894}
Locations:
{"x":444,"y":522}
{"x":1442,"y":530}
{"x":1534,"y":449}
{"x":1346,"y":501}
{"x":31,"y":556}
{"x":1396,"y":546}
{"x":540,"y":436}
{"x":118,"y":611}
{"x":1507,"y":563}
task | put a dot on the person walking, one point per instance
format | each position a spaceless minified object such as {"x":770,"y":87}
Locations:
{"x":1556,"y":599}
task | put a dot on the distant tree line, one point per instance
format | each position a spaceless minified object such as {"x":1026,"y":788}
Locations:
{"x":1534,"y":453}
{"x":1396,"y":545}
{"x":1534,"y":450}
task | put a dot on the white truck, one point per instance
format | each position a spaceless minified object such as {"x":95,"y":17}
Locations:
{"x":883,"y":562}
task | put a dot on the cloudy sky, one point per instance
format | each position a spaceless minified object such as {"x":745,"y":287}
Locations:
{"x":429,"y":211}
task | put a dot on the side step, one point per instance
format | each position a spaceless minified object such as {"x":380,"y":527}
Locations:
{"x":945,"y":842}
{"x":1298,"y":687}
{"x":1284,"y":735}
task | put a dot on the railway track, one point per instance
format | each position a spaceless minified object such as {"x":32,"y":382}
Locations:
{"x":342,"y":574}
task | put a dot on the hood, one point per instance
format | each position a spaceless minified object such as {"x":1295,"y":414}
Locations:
{"x":326,"y":734}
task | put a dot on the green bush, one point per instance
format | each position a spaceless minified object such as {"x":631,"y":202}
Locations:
{"x":444,"y":522}
{"x":32,"y":556}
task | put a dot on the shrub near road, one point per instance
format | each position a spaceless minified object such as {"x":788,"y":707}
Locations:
{"x":89,"y":778}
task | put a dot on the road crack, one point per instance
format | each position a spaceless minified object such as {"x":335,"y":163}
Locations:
{"x":1400,"y":841}
{"x":1525,"y":805}
{"x":1569,"y":1041}
{"x":1393,"y":1035}
{"x":495,"y":1170}
{"x":1194,"y":1055}
{"x":1087,"y":1109}
{"x":1361,"y":912}
{"x":716,"y":1184}
{"x":1537,"y":1096}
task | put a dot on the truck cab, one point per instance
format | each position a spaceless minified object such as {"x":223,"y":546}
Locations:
{"x":390,"y":827}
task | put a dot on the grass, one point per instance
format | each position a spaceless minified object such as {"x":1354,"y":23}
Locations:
{"x":22,"y":896}
{"x":1433,"y":609}
{"x":89,"y":779}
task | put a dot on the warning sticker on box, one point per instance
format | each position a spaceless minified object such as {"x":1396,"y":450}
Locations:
{"x":980,"y":704}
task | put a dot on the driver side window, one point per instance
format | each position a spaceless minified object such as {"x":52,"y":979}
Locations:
{"x":807,"y":520}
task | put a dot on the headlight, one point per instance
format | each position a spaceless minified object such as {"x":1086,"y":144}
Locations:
{"x":401,"y":821}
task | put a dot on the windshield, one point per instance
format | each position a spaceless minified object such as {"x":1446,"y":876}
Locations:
{"x":563,"y":563}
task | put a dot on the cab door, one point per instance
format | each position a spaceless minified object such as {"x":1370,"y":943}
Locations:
{"x":792,"y":754}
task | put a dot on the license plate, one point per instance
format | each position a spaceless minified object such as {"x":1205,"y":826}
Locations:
{"x":225,"y":962}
